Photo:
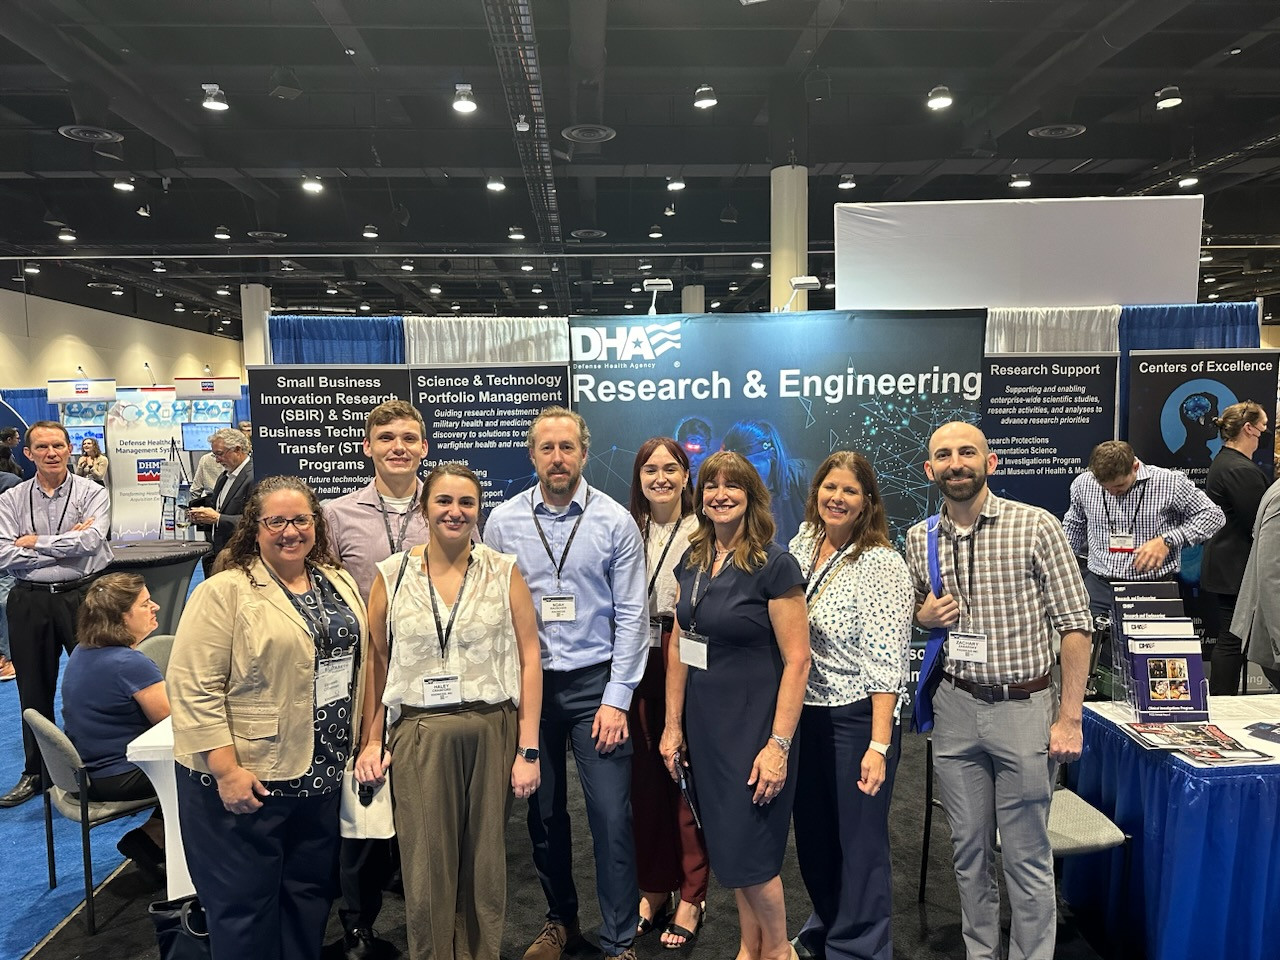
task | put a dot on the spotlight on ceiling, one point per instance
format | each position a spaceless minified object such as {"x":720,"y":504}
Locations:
{"x":31,"y":268}
{"x":496,"y":184}
{"x":312,"y":185}
{"x":1205,"y":256}
{"x":939,"y":98}
{"x":705,"y":97}
{"x":729,"y":214}
{"x":124,"y":184}
{"x":370,"y":232}
{"x":214,"y":98}
{"x":1211,"y":296}
{"x":1168,"y":97}
{"x":221,"y":233}
{"x":144,"y":210}
{"x":1190,"y":180}
{"x":655,"y":232}
{"x":670,"y":211}
{"x":846,"y":182}
{"x":645,"y":265}
{"x":331,"y":289}
{"x":434,"y":289}
{"x":536,"y":288}
{"x":522,"y":124}
{"x":179,"y":308}
{"x":715,"y":304}
{"x":286,"y":266}
{"x":636,"y":288}
{"x":757,"y":263}
{"x":364,"y":305}
{"x":67,"y":235}
{"x":455,"y":306}
{"x":516,"y":233}
{"x":733,"y":286}
{"x":157,"y":266}
{"x":829,"y":284}
{"x":117,"y":291}
{"x":1019,"y":181}
{"x":675,"y":183}
{"x":1210,"y":279}
{"x":464,"y":100}
{"x":542,"y":305}
{"x":526,"y":267}
{"x":224,"y":291}
{"x":406,"y":266}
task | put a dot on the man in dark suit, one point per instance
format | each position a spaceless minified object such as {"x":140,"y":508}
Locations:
{"x":220,"y":509}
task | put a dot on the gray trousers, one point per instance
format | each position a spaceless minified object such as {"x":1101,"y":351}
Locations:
{"x":993,"y":769}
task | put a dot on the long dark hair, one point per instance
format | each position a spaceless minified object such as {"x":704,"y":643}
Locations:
{"x":870,"y":528}
{"x":241,"y":551}
{"x":758,"y":527}
{"x":449,"y":469}
{"x":640,"y":509}
{"x":760,"y":436}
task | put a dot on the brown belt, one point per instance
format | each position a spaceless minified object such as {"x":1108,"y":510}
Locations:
{"x":997,"y":692}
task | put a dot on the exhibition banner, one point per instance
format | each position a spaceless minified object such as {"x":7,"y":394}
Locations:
{"x":1043,"y":413}
{"x":783,"y":389}
{"x":480,"y":416}
{"x":308,"y":421}
{"x":1174,"y":396}
{"x":144,"y":425}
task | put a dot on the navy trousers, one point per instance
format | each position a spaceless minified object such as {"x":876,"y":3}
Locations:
{"x":570,"y":700}
{"x":266,"y":879}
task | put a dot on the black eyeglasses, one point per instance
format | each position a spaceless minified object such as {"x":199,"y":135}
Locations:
{"x":302,"y":522}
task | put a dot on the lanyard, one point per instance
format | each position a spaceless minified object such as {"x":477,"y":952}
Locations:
{"x":317,"y":621}
{"x":670,"y":539}
{"x":31,"y":506}
{"x":1133,"y":526}
{"x":559,"y":567}
{"x":395,"y":543}
{"x":955,"y":563}
{"x":443,"y":631}
{"x":695,"y":601}
{"x":826,"y":570}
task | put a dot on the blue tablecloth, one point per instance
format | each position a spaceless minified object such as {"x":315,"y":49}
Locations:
{"x":1205,"y":875}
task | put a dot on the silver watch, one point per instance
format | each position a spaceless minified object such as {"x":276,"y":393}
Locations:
{"x":783,"y":742}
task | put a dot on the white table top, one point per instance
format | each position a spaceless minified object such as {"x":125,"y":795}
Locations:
{"x":155,"y":744}
{"x":1232,"y":714}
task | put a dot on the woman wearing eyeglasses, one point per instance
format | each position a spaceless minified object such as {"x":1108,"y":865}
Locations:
{"x":264,"y":683}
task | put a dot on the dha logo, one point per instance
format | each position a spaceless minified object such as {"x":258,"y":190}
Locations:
{"x":625,"y":343}
{"x":206,"y":386}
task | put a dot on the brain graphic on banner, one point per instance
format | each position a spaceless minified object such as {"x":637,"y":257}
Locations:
{"x":784,"y":390}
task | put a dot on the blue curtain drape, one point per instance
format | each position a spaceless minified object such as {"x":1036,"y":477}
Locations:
{"x":242,"y":405}
{"x":1195,"y":326}
{"x":311,"y":339}
{"x":30,"y":404}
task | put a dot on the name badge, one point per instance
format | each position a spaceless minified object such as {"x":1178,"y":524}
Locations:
{"x":693,"y":650}
{"x":655,"y":634}
{"x":1121,"y":543}
{"x":970,"y":647}
{"x":333,"y":679}
{"x":442,"y":691}
{"x":559,"y":609}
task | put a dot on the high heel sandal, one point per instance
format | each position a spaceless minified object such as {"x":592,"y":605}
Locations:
{"x":664,"y":913}
{"x":689,"y":935}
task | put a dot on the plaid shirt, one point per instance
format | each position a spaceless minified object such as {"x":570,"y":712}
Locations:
{"x":1017,"y":583}
{"x":1161,"y":503}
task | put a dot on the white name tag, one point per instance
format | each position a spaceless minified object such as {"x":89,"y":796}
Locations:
{"x":559,"y":609}
{"x":442,"y":691}
{"x":970,"y":647}
{"x":333,"y":680}
{"x":693,"y":650}
{"x":655,"y":633}
{"x":1121,"y":543}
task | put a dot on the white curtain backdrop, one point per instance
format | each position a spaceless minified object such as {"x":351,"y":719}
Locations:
{"x":1053,"y":329}
{"x":431,"y":340}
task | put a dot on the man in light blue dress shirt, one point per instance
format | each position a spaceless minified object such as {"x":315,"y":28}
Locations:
{"x":583,"y":559}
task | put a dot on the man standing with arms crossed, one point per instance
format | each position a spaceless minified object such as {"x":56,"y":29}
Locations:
{"x":583,"y":559}
{"x":1009,"y":585}
{"x":53,"y":540}
{"x":365,"y":527}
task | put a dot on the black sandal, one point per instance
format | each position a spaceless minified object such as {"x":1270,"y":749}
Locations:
{"x":664,"y":914}
{"x":689,"y":935}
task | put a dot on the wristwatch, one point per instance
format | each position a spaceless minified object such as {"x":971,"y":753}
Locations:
{"x":881,"y":748}
{"x":783,"y":742}
{"x":529,"y":753}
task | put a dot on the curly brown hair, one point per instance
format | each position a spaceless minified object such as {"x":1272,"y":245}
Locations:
{"x":241,"y":551}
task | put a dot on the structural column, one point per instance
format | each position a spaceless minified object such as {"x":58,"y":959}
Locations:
{"x":255,"y":311}
{"x":693,"y":298}
{"x":788,"y":234}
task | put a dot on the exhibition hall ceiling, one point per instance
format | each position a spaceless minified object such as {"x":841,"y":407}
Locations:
{"x":585,"y":113}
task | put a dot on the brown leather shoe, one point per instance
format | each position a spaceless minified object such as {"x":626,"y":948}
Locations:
{"x":627,"y":954}
{"x":551,"y":942}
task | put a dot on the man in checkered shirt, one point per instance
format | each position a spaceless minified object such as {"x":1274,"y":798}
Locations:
{"x":1010,"y":587}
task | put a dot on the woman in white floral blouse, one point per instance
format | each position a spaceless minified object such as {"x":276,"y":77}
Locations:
{"x":860,"y":604}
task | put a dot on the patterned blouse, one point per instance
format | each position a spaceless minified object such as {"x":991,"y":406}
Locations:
{"x":859,"y":622}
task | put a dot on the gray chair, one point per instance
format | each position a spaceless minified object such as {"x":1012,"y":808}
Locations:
{"x":158,"y":646}
{"x":63,"y":774}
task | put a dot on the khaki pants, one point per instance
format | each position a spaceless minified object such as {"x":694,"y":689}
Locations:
{"x":451,"y":784}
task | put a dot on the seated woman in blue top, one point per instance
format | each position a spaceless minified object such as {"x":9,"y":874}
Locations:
{"x":111,"y":693}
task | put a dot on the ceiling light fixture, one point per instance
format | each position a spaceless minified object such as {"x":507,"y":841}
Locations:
{"x":434,"y":289}
{"x":655,"y":232}
{"x":542,"y":305}
{"x":364,"y":305}
{"x":1206,"y":256}
{"x":496,"y":184}
{"x":1190,"y":180}
{"x":526,"y":267}
{"x":729,"y":214}
{"x":1168,"y":97}
{"x":522,"y":125}
{"x":226,"y":321}
{"x":117,"y":291}
{"x":536,"y":288}
{"x":158,"y":266}
{"x":629,"y":305}
{"x":331,"y":290}
{"x":67,"y":235}
{"x":31,"y":268}
{"x":757,"y":263}
{"x":733,"y":286}
{"x":406,"y":266}
{"x":636,"y":288}
{"x":221,"y":233}
{"x":645,"y":265}
{"x":846,"y":182}
{"x":159,"y":294}
{"x":1235,"y":51}
{"x":214,"y":98}
{"x":1019,"y":181}
{"x":939,"y":98}
{"x":670,"y":211}
{"x":516,"y":233}
{"x":675,"y":183}
{"x":179,"y":308}
{"x":715,"y":304}
{"x":144,"y":210}
{"x":1211,"y":296}
{"x":124,"y":184}
{"x":455,"y":306}
{"x":224,"y":291}
{"x":370,"y":232}
{"x":829,"y":285}
{"x":704,"y":98}
{"x":1210,"y":279}
{"x":286,"y":266}
{"x":349,"y":51}
{"x":312,"y":185}
{"x":464,"y":100}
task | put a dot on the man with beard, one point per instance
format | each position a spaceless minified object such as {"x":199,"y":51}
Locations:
{"x":1010,"y":583}
{"x":583,"y":559}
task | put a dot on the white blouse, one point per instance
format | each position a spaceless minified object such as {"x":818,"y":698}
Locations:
{"x":662,"y":598}
{"x":859,"y":623}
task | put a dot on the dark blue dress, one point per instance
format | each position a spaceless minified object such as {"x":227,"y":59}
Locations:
{"x":729,"y":715}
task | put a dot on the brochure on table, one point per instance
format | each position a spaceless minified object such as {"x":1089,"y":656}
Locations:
{"x":1162,"y":668}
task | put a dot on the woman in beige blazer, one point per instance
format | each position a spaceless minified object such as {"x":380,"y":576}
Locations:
{"x":264,"y":681}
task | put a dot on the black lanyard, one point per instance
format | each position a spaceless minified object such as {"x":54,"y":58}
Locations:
{"x":671,"y":539}
{"x":559,"y":567}
{"x":955,"y":562}
{"x":1133,"y":527}
{"x":318,"y":621}
{"x":395,"y":543}
{"x":31,"y":506}
{"x":826,"y":570}
{"x":695,"y":601}
{"x":444,"y":631}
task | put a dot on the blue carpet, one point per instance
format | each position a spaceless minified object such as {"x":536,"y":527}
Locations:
{"x":31,"y":909}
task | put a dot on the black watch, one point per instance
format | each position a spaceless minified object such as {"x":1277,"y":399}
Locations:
{"x":529,"y":753}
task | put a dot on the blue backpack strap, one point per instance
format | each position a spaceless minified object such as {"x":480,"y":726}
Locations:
{"x":931,"y":664}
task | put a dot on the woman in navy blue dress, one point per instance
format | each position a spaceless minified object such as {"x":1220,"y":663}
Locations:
{"x":735,"y":687}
